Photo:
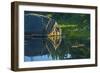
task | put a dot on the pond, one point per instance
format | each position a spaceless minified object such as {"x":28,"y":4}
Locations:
{"x":55,"y":48}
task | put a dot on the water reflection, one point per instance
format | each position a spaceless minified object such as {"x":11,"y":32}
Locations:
{"x":55,"y":48}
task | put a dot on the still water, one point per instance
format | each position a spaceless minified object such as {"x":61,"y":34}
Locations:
{"x":55,"y":48}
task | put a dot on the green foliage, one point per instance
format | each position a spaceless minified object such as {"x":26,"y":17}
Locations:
{"x":75,"y":27}
{"x":72,"y":24}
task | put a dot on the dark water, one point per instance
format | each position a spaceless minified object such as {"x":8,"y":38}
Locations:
{"x":55,"y":48}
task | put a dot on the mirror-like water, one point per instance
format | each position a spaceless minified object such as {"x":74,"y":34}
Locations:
{"x":55,"y":48}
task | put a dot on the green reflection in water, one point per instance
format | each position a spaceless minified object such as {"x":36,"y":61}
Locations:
{"x":57,"y":48}
{"x":67,"y":48}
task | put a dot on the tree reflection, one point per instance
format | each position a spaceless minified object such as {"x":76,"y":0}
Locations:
{"x":56,"y":48}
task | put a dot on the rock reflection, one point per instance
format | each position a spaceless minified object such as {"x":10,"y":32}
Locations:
{"x":41,"y":48}
{"x":54,"y":48}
